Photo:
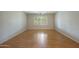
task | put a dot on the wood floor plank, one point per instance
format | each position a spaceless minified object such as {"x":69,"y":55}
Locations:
{"x":41,"y":39}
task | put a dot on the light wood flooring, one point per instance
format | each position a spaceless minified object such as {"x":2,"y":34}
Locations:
{"x":41,"y":39}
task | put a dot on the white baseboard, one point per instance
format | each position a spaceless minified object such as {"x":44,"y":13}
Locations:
{"x":67,"y":35}
{"x":13,"y":35}
{"x":40,"y":28}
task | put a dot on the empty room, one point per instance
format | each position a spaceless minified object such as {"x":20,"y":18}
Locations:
{"x":39,"y":29}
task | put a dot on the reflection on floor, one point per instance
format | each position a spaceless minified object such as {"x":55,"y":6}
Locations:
{"x":41,"y":39}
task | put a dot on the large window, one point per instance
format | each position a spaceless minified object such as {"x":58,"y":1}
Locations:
{"x":40,"y":20}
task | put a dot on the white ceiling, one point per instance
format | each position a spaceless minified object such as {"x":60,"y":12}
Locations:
{"x":38,"y":12}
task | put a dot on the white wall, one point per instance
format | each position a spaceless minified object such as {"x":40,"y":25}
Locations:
{"x":68,"y":24}
{"x":31,"y":25}
{"x":12,"y":23}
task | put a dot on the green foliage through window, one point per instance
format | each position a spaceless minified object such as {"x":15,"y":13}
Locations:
{"x":40,"y":20}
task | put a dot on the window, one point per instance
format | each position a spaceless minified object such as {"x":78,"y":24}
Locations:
{"x":40,"y":20}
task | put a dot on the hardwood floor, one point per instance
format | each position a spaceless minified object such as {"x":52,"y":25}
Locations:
{"x":41,"y":39}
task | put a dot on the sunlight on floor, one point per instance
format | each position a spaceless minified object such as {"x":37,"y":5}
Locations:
{"x":41,"y":38}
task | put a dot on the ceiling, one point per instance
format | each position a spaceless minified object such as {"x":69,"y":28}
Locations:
{"x":40,"y":12}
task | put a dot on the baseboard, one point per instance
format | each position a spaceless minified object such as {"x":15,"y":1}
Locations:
{"x":67,"y":35}
{"x":40,"y":29}
{"x":13,"y":35}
